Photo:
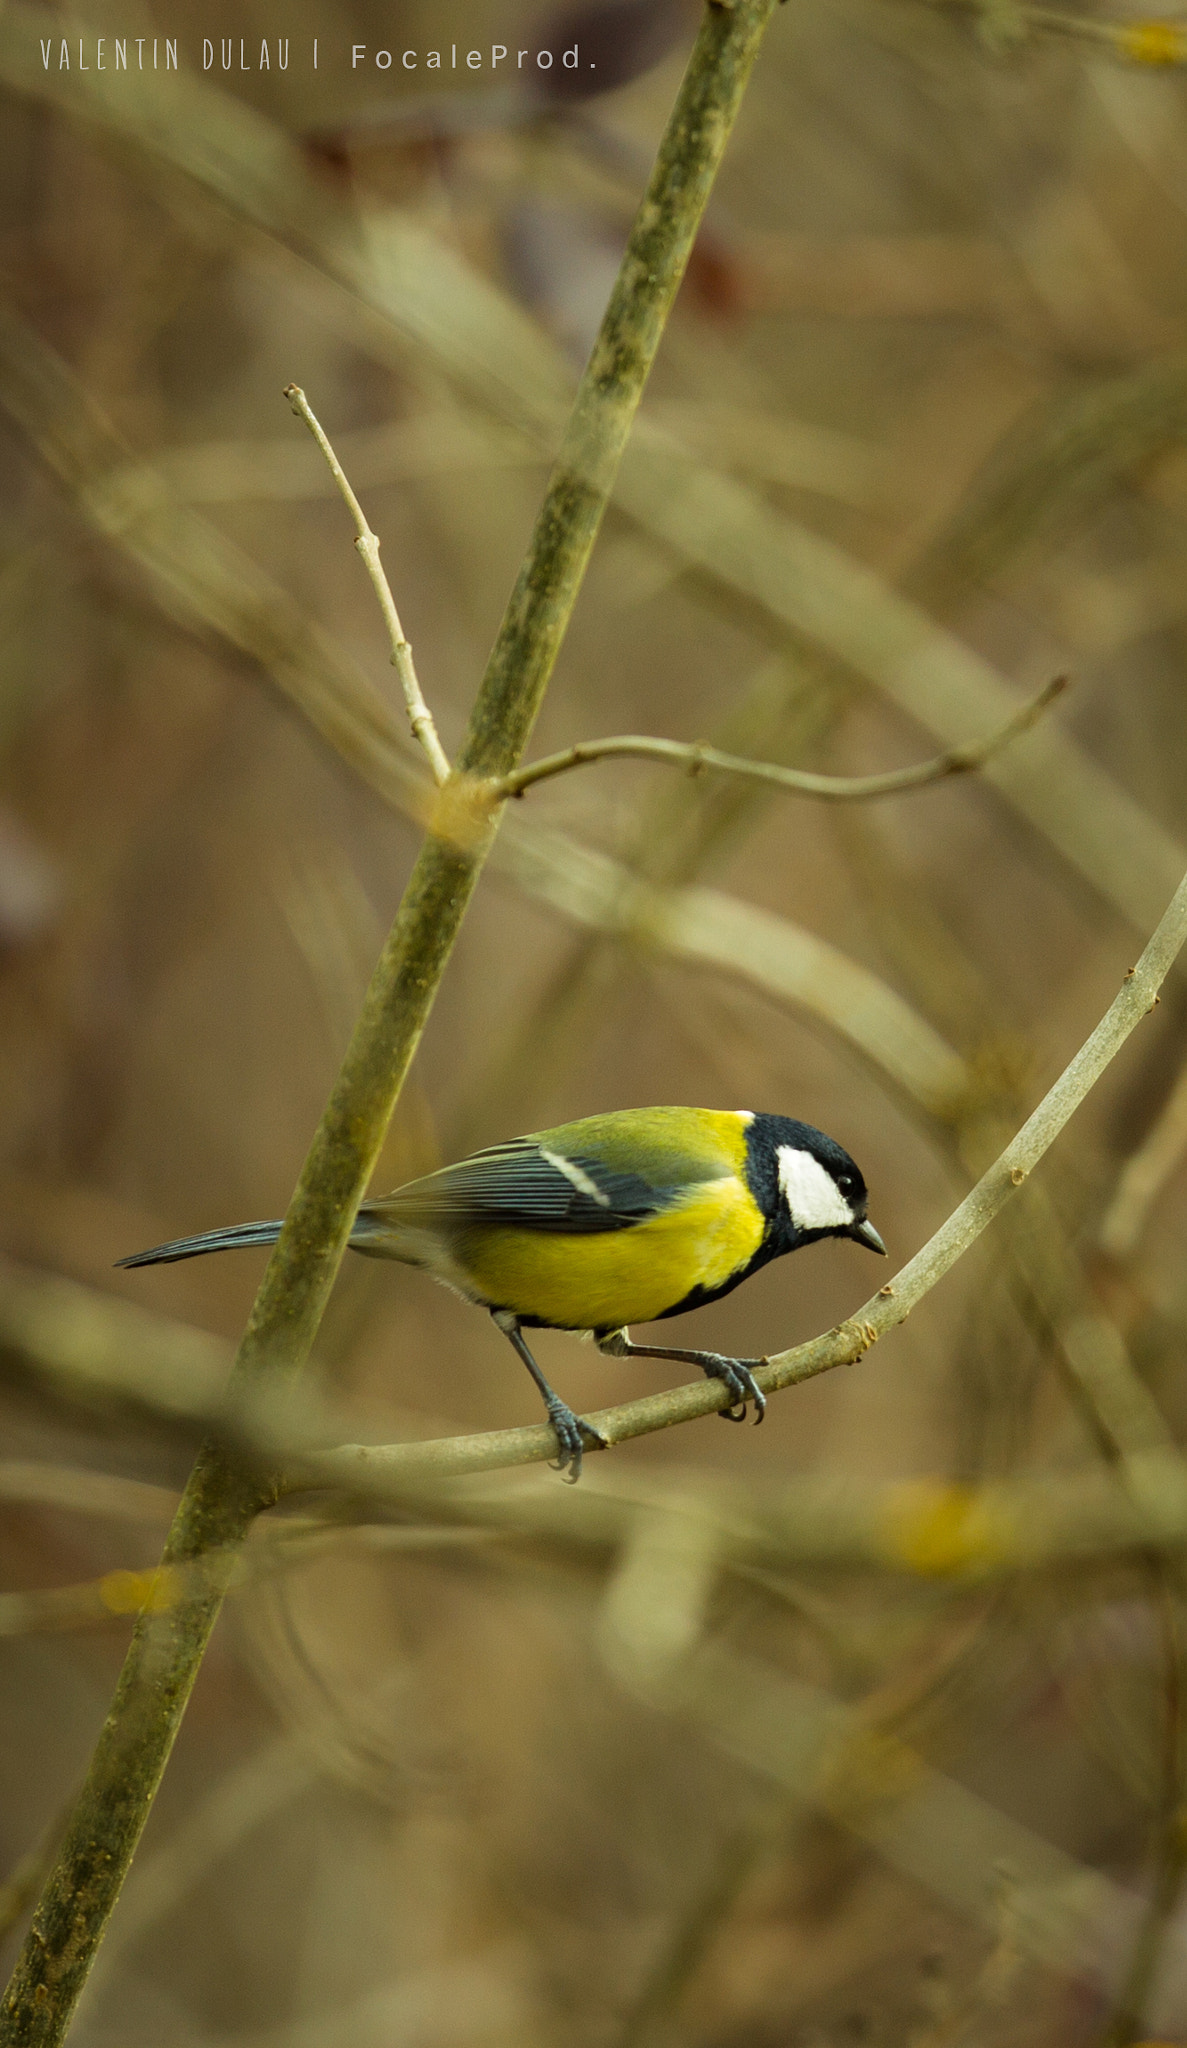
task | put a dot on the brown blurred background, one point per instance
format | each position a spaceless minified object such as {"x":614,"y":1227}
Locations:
{"x":916,"y":437}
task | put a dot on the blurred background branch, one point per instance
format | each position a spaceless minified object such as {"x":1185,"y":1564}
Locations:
{"x":222,"y":1497}
{"x":876,"y":1736}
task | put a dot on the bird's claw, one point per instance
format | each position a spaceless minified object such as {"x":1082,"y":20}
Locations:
{"x":573,"y":1436}
{"x":742,"y":1386}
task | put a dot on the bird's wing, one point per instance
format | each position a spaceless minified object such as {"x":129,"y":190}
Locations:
{"x":526,"y":1185}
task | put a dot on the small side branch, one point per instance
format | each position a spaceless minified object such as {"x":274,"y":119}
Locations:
{"x":222,"y":1499}
{"x":420,"y":718}
{"x":834,"y":789}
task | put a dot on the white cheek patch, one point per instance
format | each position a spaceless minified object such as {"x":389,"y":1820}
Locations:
{"x":814,"y":1200}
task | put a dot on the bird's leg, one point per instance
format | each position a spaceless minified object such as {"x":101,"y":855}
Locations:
{"x":736,"y":1372}
{"x":572,"y":1433}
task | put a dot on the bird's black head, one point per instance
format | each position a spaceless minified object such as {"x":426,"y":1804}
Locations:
{"x":806,"y":1185}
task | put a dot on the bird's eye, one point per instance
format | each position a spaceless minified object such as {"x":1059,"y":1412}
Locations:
{"x":846,"y":1183}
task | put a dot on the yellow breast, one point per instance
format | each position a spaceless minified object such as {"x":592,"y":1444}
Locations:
{"x":604,"y":1279}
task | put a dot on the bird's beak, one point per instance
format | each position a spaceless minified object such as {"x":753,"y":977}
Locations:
{"x":864,"y":1233}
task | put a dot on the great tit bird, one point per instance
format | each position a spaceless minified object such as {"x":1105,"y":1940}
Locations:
{"x":612,"y":1220}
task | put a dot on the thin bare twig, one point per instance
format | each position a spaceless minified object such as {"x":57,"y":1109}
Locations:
{"x":421,"y":299}
{"x":932,"y":1528}
{"x":420,"y":718}
{"x":362,"y":1468}
{"x":834,"y":789}
{"x":843,"y":1346}
{"x":222,"y":1499}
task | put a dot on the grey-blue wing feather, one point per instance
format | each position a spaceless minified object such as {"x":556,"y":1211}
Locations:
{"x":520,"y":1186}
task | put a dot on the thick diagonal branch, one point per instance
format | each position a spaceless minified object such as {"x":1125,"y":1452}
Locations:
{"x":221,"y":1500}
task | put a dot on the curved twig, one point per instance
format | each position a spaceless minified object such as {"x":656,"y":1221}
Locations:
{"x":829,"y":789}
{"x":264,"y":1421}
{"x":221,"y":1500}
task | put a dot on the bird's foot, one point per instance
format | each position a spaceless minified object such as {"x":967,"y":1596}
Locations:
{"x":573,"y":1437}
{"x":740,"y":1380}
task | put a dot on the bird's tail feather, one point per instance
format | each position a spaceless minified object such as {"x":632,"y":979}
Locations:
{"x":209,"y":1241}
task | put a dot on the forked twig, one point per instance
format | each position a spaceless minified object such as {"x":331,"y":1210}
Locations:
{"x":222,"y":1499}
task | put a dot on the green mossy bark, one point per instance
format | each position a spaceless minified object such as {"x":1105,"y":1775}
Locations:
{"x":220,"y":1501}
